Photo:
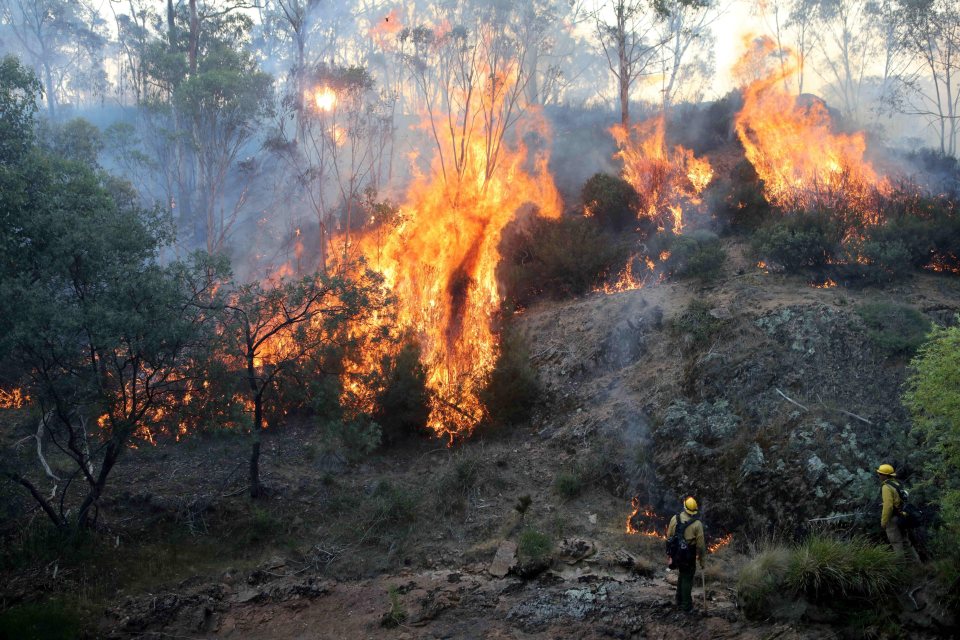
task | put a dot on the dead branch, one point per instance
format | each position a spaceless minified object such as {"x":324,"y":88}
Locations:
{"x":791,"y":400}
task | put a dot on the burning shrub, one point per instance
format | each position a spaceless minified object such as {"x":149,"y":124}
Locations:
{"x":555,"y":258}
{"x":800,"y":240}
{"x":512,"y":388}
{"x":612,"y":201}
{"x":697,"y":254}
{"x":894,"y":329}
{"x":403,"y":404}
{"x":739,"y":201}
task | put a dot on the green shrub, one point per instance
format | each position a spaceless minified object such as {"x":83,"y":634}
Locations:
{"x":800,"y":240}
{"x":397,"y":614}
{"x":403,"y":404}
{"x":696,"y":326}
{"x":556,"y":258}
{"x":827,"y":569}
{"x":51,"y":620}
{"x":569,"y":484}
{"x":840,"y":573}
{"x":512,"y":389}
{"x":894,"y":329}
{"x":698,"y":254}
{"x":533,"y":547}
{"x":611,"y":201}
{"x":933,"y":399}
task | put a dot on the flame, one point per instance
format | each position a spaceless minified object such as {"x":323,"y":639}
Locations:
{"x":440,"y":261}
{"x":802,"y":163}
{"x":663,"y":178}
{"x":720,"y":543}
{"x":325,"y":98}
{"x":13,"y":399}
{"x":829,"y":283}
{"x":644,"y":521}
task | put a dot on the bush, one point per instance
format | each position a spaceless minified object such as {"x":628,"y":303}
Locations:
{"x":739,"y":201}
{"x":698,"y":254}
{"x":800,"y":240}
{"x":933,"y":398}
{"x":894,"y":329}
{"x":611,"y":201}
{"x":460,"y":480}
{"x":555,"y":258}
{"x":533,"y":547}
{"x":512,"y":389}
{"x":403,"y":404}
{"x":569,"y":484}
{"x":696,"y":326}
{"x":823,"y":570}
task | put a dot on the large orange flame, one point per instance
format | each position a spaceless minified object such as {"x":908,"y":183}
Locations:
{"x":802,"y":162}
{"x":664,"y":178}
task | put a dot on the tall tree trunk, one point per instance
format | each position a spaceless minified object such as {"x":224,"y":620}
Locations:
{"x":255,"y":434}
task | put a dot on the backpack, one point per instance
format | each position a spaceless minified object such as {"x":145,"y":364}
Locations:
{"x":910,"y":516}
{"x":682,"y":553}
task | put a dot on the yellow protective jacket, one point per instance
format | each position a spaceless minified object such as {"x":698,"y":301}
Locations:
{"x":692,"y":533}
{"x":892,"y":503}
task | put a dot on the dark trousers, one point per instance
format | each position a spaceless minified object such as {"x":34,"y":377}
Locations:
{"x":685,"y":587}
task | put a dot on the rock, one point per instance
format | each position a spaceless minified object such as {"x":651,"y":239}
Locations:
{"x":814,"y":468}
{"x":573,"y":550}
{"x":504,"y":560}
{"x":720,"y":313}
{"x":753,"y":462}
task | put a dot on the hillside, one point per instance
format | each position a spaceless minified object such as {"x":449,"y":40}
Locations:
{"x":767,"y":398}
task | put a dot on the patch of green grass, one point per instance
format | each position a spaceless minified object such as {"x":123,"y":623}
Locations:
{"x":533,"y":546}
{"x":831,"y":571}
{"x":569,"y":484}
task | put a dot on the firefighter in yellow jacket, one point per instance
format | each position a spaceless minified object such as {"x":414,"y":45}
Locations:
{"x":890,"y":516}
{"x":693,"y":534}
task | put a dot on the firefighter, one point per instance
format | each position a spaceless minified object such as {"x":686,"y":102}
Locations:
{"x":890,"y":520}
{"x":684,"y":557}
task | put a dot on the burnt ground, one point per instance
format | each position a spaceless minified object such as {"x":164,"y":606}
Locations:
{"x":636,"y":402}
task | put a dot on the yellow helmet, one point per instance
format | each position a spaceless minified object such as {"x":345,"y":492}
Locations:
{"x":690,"y":505}
{"x":886,"y":470}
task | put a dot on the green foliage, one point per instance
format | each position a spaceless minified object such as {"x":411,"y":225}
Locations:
{"x":569,"y":484}
{"x":696,"y":326}
{"x":698,"y":254}
{"x":403,"y":404}
{"x":555,"y":258}
{"x":895,"y":329}
{"x":824,"y":569}
{"x":533,"y":546}
{"x":611,"y":201}
{"x":391,"y":508}
{"x":19,"y":92}
{"x":800,"y":240}
{"x":830,"y":571}
{"x":50,"y":620}
{"x":397,"y":614}
{"x":77,"y":140}
{"x":512,"y":389}
{"x":933,"y":398}
{"x":460,"y":480}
